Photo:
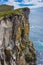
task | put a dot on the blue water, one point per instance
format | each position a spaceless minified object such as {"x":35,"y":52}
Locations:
{"x":36,"y":32}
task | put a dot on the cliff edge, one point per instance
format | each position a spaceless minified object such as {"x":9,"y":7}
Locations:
{"x":15,"y":46}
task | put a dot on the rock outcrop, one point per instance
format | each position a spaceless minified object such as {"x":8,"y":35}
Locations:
{"x":15,"y":46}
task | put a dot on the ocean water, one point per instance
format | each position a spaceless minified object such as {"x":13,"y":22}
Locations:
{"x":36,"y":32}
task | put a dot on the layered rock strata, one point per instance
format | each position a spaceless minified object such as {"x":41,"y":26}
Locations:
{"x":15,"y":46}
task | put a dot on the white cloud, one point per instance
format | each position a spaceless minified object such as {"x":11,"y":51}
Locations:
{"x":36,"y":3}
{"x":11,"y":2}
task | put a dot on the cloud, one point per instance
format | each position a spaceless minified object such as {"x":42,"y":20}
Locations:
{"x":36,"y":3}
{"x":25,"y":3}
{"x":12,"y":2}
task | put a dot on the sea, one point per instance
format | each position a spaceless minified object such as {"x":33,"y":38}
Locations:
{"x":36,"y":32}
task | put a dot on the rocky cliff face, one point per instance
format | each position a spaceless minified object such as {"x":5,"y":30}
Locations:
{"x":15,"y":46}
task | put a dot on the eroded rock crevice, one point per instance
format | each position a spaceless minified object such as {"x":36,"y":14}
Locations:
{"x":15,"y":46}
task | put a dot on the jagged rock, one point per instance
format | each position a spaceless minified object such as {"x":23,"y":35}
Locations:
{"x":14,"y":39}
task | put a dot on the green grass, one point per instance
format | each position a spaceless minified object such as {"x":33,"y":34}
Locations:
{"x":7,"y":12}
{"x":5,"y":7}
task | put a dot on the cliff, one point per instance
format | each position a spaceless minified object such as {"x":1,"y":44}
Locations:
{"x":5,"y":7}
{"x":15,"y":46}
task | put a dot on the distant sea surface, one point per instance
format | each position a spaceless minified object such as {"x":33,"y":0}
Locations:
{"x":36,"y":32}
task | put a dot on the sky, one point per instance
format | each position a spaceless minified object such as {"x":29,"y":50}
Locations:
{"x":23,"y":3}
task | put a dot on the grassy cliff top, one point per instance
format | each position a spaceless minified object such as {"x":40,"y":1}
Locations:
{"x":6,"y":12}
{"x":5,"y":7}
